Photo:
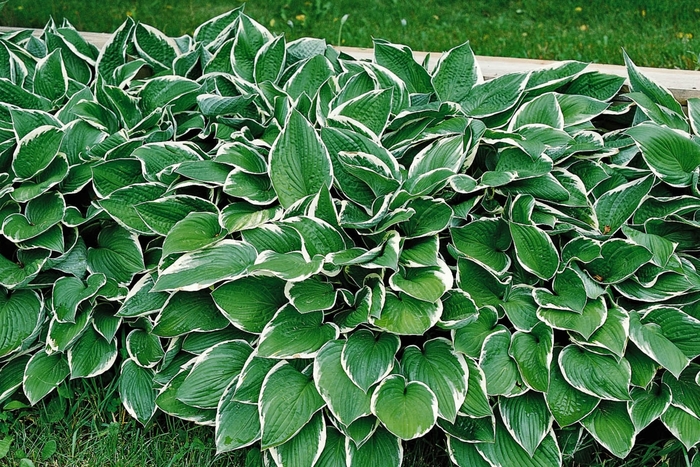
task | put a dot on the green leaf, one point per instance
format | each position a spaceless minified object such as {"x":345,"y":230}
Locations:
{"x":68,"y":292}
{"x":136,"y":391}
{"x":12,"y":374}
{"x":43,"y":373}
{"x":615,"y":206}
{"x":226,"y":260}
{"x":50,"y":76}
{"x":612,"y":335}
{"x":484,"y":241}
{"x":684,"y":426}
{"x":456,"y":74}
{"x":679,"y":327}
{"x":619,"y":260}
{"x":500,"y":370}
{"x":305,"y":447}
{"x":40,"y":214}
{"x":288,"y":401}
{"x":611,"y":426}
{"x":506,"y":451}
{"x":212,"y":372}
{"x":431,"y":217}
{"x":91,"y":355}
{"x":465,"y":454}
{"x":585,"y":323}
{"x":250,"y":302}
{"x":470,"y":338}
{"x":237,"y":423}
{"x":155,"y":47}
{"x":197,"y":230}
{"x":310,"y":295}
{"x":494,"y":96}
{"x":118,"y":254}
{"x":36,"y":150}
{"x":346,"y":401}
{"x":535,"y":250}
{"x":21,"y":314}
{"x":270,"y":60}
{"x":476,"y":404}
{"x":648,"y":404}
{"x":597,"y":375}
{"x":651,"y":340}
{"x":578,"y":109}
{"x":185,"y":312}
{"x":241,"y":215}
{"x":442,"y":369}
{"x":368,"y":358}
{"x":333,"y":454}
{"x":399,"y":60}
{"x":180,"y":93}
{"x":685,"y":391}
{"x":407,"y":409}
{"x":569,"y":293}
{"x":471,"y":430}
{"x":542,"y":110}
{"x":532,"y":351}
{"x":527,"y":419}
{"x":299,"y":162}
{"x":291,"y":266}
{"x":458,"y":310}
{"x":404,"y":315}
{"x":671,"y":156}
{"x":161,"y":214}
{"x":11,"y":93}
{"x":426,"y":283}
{"x":382,"y":448}
{"x":640,"y":83}
{"x":144,"y":348}
{"x":140,"y":301}
{"x":567,"y":404}
{"x":291,"y":334}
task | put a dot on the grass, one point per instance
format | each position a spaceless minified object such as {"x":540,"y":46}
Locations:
{"x":659,"y":33}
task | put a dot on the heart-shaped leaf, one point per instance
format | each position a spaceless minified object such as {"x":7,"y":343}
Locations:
{"x":368,"y":358}
{"x":442,"y":369}
{"x":407,"y":409}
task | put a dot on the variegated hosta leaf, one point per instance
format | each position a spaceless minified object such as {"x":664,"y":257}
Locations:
{"x":137,"y":392}
{"x":21,"y":314}
{"x":408,"y":409}
{"x":43,"y":373}
{"x":288,"y":401}
{"x":368,"y":358}
{"x":611,"y":426}
{"x":442,"y":369}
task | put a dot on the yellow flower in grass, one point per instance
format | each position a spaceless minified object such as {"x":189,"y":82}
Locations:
{"x":300,"y":18}
{"x":578,"y":9}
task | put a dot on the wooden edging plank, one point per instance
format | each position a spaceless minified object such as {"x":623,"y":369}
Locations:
{"x":684,"y":84}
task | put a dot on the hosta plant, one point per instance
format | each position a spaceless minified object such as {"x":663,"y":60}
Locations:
{"x":323,"y":257}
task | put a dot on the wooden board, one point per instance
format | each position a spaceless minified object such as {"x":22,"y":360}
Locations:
{"x":684,"y":84}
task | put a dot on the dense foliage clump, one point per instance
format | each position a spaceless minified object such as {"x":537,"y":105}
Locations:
{"x":323,"y":257}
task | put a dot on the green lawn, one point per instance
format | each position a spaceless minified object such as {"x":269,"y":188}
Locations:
{"x":662,"y":33}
